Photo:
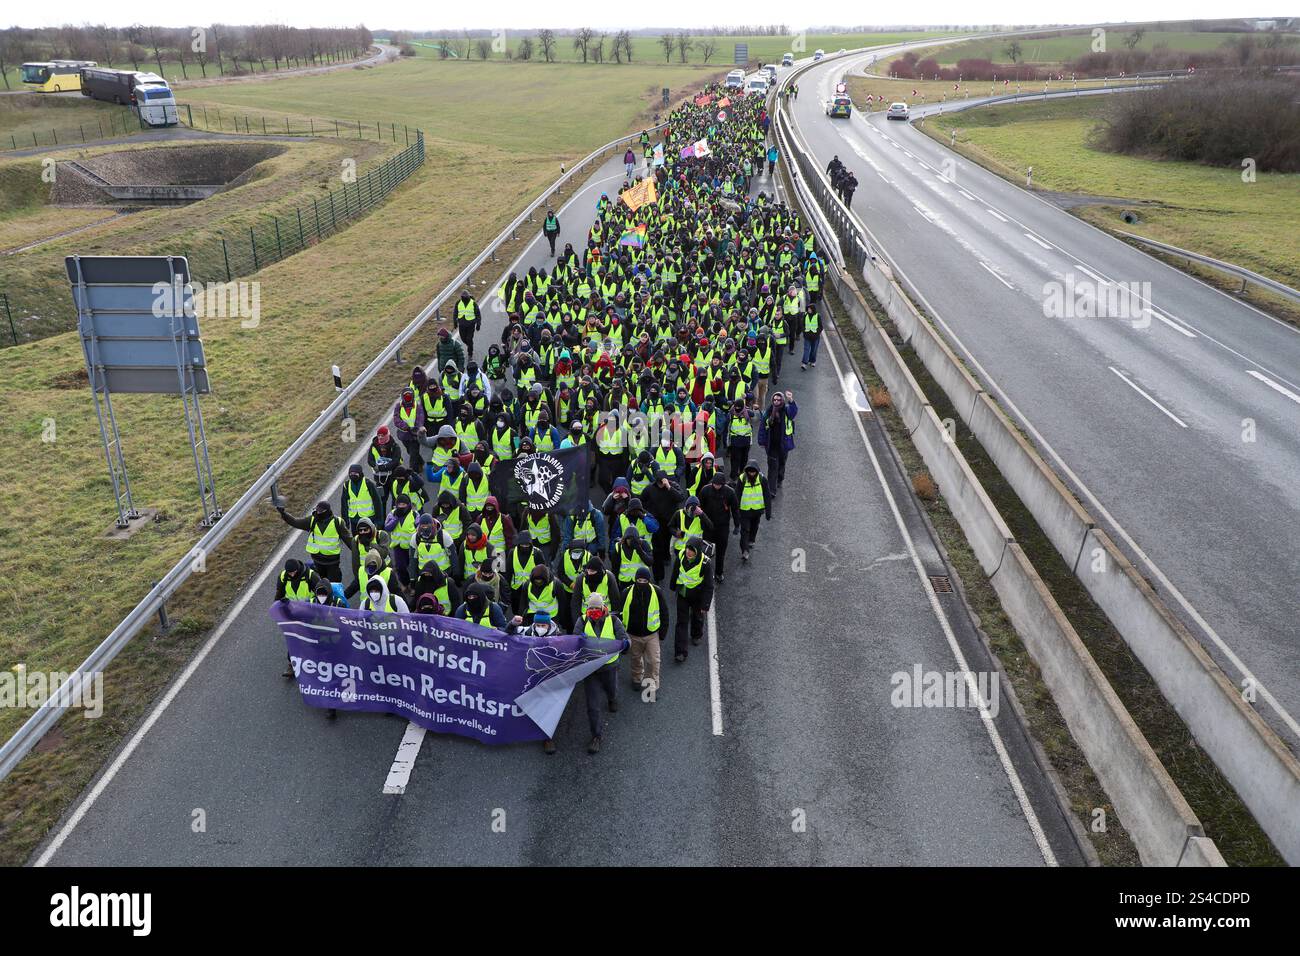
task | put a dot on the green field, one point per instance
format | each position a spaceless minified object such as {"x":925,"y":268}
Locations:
{"x":46,"y":120}
{"x":337,"y":302}
{"x":648,"y":50}
{"x":1201,"y":208}
{"x":1054,"y":50}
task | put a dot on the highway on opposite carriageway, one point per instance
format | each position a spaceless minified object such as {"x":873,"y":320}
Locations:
{"x":1177,"y":428}
{"x":812,"y":765}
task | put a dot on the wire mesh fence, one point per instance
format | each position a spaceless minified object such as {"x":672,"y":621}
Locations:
{"x":117,"y":122}
{"x":224,"y":255}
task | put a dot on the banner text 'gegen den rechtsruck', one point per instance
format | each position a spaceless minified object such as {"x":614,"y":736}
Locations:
{"x":444,"y":674}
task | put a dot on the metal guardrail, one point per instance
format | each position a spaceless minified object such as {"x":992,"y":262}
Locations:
{"x":49,"y":713}
{"x":1245,"y":275}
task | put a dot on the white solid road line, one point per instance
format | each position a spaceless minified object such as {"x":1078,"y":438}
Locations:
{"x":1017,"y":787}
{"x":1172,"y":324}
{"x":715,"y":679}
{"x":400,"y":773}
{"x":1136,"y":388}
{"x":1274,"y":385}
{"x":994,"y":274}
{"x":163,"y":704}
{"x":1030,"y":236}
{"x":1092,"y":275}
{"x":967,"y":195}
{"x":996,"y":215}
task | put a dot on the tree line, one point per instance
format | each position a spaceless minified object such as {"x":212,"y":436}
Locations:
{"x":591,"y":46}
{"x":231,"y":49}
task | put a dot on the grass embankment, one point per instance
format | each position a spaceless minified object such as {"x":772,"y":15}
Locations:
{"x":1204,"y":209}
{"x":35,"y":281}
{"x":65,"y":585}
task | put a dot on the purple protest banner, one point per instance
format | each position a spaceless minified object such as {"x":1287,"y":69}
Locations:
{"x":444,"y":674}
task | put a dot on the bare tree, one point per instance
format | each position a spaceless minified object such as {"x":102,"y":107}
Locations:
{"x":444,"y":47}
{"x":598,"y":48}
{"x":484,"y":47}
{"x":106,"y":39}
{"x":1132,"y":40}
{"x":708,"y":47}
{"x":179,"y":41}
{"x":546,"y":40}
{"x":627,"y":46}
{"x":582,"y":41}
{"x":157,"y":39}
{"x":469,"y":42}
{"x":525,"y":48}
{"x":668,"y":42}
{"x":684,"y":45}
{"x":216,"y":47}
{"x":1013,"y":51}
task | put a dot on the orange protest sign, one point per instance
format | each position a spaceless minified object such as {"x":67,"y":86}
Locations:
{"x":640,"y":194}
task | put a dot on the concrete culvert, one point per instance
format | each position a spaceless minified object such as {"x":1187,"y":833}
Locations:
{"x":1129,"y":216}
{"x":160,"y":175}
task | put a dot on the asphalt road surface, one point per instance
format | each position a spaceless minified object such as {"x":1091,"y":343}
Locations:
{"x":1176,"y":424}
{"x":813,"y":765}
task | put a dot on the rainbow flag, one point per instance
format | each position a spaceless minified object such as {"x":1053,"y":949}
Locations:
{"x":634,"y":236}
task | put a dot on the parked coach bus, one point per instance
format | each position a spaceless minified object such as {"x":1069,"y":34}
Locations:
{"x":111,"y":86}
{"x":149,"y":93}
{"x":154,"y":100}
{"x":54,"y":76}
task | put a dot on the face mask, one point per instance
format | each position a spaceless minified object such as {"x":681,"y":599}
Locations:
{"x":595,"y":614}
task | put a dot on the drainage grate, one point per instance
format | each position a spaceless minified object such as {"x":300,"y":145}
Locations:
{"x":941,"y":583}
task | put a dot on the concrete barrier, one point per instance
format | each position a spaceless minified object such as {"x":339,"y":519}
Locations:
{"x":1148,"y":802}
{"x":979,"y":519}
{"x":1243,"y":747}
{"x":1201,"y":852}
{"x":1056,"y":510}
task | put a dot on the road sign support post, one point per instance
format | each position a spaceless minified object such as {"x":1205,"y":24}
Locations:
{"x":109,"y":436}
{"x":181,"y":310}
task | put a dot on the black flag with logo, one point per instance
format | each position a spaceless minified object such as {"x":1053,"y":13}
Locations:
{"x":558,"y":481}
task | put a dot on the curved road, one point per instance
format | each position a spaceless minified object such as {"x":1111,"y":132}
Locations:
{"x":1178,"y":428}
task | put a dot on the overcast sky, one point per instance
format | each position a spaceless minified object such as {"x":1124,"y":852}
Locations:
{"x":516,"y":14}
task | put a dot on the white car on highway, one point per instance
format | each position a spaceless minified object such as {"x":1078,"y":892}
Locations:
{"x":818,"y":54}
{"x":735,"y":79}
{"x":896,"y":111}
